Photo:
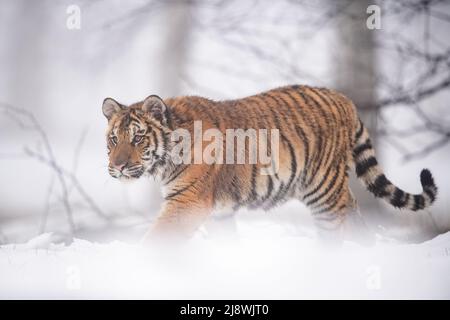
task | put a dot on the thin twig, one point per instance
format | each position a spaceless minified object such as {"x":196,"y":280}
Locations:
{"x":35,"y":126}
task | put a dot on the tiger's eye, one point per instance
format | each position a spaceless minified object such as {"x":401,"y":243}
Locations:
{"x":113,"y":140}
{"x":137,"y":139}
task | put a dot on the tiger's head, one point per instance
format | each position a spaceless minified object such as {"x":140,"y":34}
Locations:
{"x":137,"y":137}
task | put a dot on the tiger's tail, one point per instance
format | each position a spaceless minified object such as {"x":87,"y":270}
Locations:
{"x":371,"y":175}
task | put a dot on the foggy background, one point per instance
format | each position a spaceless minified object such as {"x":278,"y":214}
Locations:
{"x":54,"y":77}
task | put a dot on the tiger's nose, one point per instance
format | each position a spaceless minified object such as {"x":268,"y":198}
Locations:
{"x":119,"y":166}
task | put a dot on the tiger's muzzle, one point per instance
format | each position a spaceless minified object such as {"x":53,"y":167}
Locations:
{"x":126,"y":171}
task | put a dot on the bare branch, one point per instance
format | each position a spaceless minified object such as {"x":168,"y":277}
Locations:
{"x":21,"y":115}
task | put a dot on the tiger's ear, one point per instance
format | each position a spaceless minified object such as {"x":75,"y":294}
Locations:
{"x":110,"y":107}
{"x":157,"y":109}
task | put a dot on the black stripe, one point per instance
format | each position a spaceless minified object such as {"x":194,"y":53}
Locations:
{"x":322,"y":159}
{"x":361,"y":148}
{"x":360,"y":131}
{"x":337,"y":190}
{"x":261,"y":104}
{"x":378,"y":187}
{"x":168,"y":117}
{"x":285,"y":105}
{"x":135,"y":119}
{"x":325,"y":192}
{"x":317,"y":133}
{"x":283,"y":190}
{"x":322,"y":181}
{"x":147,"y":152}
{"x":342,"y":110}
{"x":269,"y":188}
{"x":306,"y":145}
{"x":330,"y":157}
{"x":287,"y":113}
{"x":399,"y":198}
{"x":326,"y":209}
{"x":346,"y":116}
{"x":364,"y":165}
{"x":274,"y":114}
{"x":155,"y":139}
{"x":235,"y":191}
{"x":322,"y":97}
{"x":253,"y":194}
{"x":319,"y":146}
{"x":183,"y":189}
{"x":280,"y":188}
{"x":165,"y":140}
{"x":307,"y":117}
{"x":331,"y":207}
{"x":323,"y":154}
{"x":419,"y":202}
{"x":125,"y":121}
{"x":333,"y":194}
{"x":302,"y":136}
{"x":176,"y":175}
{"x":261,"y":118}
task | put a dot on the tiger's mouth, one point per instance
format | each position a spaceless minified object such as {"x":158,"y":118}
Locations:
{"x":128,"y":173}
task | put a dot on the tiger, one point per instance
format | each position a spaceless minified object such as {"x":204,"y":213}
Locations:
{"x":321,"y":139}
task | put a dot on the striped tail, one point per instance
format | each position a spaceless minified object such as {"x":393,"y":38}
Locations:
{"x":369,"y":172}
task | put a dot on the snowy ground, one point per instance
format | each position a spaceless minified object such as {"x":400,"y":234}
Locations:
{"x":266,"y":265}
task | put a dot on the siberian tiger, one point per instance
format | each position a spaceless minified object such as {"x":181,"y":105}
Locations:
{"x":320,"y":139}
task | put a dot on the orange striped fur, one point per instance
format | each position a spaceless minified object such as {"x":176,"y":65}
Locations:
{"x":321,"y":138}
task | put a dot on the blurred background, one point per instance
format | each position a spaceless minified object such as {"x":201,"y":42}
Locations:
{"x":59,"y":59}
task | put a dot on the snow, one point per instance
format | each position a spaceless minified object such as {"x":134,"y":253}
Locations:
{"x":266,"y":263}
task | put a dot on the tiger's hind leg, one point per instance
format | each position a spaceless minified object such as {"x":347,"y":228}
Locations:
{"x":339,"y":219}
{"x":329,"y":226}
{"x":355,"y":228}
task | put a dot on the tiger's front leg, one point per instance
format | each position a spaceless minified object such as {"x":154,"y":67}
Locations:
{"x":178,"y":220}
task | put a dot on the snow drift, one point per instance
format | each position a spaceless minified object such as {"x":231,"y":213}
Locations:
{"x":265,"y":265}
